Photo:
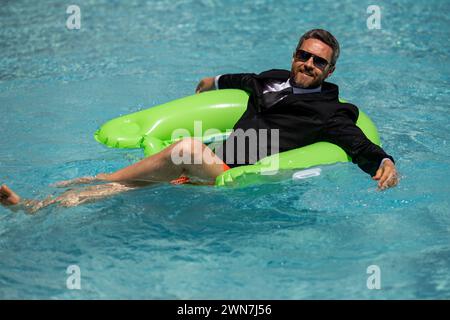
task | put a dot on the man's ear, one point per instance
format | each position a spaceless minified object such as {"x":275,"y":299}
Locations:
{"x":330,"y":72}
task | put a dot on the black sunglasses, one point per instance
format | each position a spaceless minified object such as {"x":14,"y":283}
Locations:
{"x":304,"y":56}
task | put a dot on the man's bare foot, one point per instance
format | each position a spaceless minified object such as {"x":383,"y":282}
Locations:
{"x":8,"y":197}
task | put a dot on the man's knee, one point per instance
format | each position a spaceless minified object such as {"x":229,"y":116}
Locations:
{"x":191,"y":146}
{"x":187,"y":151}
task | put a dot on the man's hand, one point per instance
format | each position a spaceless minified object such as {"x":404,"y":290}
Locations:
{"x":386,"y":175}
{"x":205,"y":84}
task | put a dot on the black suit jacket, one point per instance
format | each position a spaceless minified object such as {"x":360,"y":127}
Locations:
{"x":302,"y":119}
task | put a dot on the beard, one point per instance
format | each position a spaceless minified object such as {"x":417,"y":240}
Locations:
{"x":304,"y":79}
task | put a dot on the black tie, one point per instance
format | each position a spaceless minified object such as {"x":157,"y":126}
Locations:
{"x":271,"y":98}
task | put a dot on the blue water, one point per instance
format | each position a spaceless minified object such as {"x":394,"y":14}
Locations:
{"x":307,"y":239}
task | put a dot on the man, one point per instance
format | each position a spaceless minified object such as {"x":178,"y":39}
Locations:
{"x":299,"y":104}
{"x":304,"y":108}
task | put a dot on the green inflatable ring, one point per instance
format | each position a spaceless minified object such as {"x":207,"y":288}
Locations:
{"x":152,"y":129}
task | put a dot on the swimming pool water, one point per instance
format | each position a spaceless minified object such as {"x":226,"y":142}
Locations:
{"x":304,"y":239}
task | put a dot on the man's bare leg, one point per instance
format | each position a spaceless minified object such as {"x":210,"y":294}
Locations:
{"x":70,"y":198}
{"x":81,"y":180}
{"x":73,"y":198}
{"x":203,"y":164}
{"x":10,"y":199}
{"x":161,"y":167}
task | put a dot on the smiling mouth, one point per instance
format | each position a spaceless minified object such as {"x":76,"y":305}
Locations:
{"x":306,"y":74}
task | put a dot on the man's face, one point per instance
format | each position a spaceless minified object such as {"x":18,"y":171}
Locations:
{"x":306,"y":74}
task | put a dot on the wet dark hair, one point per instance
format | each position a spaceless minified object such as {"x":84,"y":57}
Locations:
{"x":325,"y":37}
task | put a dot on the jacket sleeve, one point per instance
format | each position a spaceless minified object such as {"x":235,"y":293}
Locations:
{"x":243,"y":81}
{"x":341,"y":129}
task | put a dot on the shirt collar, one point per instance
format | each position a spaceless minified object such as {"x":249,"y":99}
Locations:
{"x":298,"y":90}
